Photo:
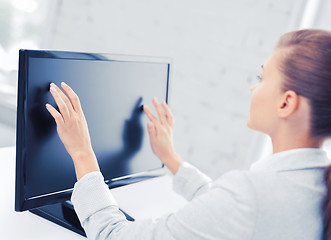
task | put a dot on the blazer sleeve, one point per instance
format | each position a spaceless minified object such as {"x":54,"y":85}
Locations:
{"x":226,"y":211}
{"x":190,"y":182}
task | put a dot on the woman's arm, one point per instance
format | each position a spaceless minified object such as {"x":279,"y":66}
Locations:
{"x":226,"y":211}
{"x":188,"y":181}
{"x":73,"y":130}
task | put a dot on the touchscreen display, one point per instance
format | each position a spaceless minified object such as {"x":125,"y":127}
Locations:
{"x":111,"y":95}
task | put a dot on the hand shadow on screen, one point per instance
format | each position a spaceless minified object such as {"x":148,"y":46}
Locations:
{"x":41,"y":121}
{"x":115,"y":164}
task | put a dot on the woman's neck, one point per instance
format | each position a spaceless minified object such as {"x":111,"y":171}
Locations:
{"x":282,"y":143}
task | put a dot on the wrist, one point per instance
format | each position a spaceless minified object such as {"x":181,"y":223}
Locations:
{"x":85,"y":162}
{"x":85,"y":155}
{"x":173,"y":162}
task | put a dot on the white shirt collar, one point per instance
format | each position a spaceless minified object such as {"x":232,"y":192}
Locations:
{"x":294,"y":159}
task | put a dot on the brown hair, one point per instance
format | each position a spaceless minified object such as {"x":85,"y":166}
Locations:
{"x":307,"y":71}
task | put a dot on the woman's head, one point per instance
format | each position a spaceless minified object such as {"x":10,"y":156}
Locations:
{"x":296,"y":75}
{"x":296,"y":90}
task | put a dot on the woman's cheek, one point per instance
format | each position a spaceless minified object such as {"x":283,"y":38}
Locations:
{"x":255,"y":102}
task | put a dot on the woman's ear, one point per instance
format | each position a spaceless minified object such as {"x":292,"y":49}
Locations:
{"x":288,"y":104}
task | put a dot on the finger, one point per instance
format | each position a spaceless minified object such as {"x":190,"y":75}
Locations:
{"x":63,"y":97}
{"x":55,"y":114}
{"x":60,"y":103}
{"x":149,"y":114}
{"x":159,"y":111}
{"x":75,"y":102}
{"x":169,"y":115}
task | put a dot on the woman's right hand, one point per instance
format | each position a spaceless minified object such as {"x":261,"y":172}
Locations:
{"x":161,"y":135}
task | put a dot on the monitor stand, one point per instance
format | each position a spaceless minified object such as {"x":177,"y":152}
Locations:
{"x":64,"y":215}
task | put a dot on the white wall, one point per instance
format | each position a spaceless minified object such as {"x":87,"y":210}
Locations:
{"x":217,"y":48}
{"x":322,"y":16}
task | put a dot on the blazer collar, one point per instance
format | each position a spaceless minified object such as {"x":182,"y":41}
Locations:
{"x":294,"y":159}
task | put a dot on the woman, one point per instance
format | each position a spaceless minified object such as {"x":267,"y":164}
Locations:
{"x":280,"y":197}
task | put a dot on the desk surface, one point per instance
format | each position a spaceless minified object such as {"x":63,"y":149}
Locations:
{"x":153,"y":198}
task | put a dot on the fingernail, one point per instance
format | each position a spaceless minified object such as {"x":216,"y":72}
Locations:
{"x":47,"y":105}
{"x":52,"y":88}
{"x":64,"y":84}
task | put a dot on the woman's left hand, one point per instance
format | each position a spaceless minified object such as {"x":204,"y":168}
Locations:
{"x":72,"y":129}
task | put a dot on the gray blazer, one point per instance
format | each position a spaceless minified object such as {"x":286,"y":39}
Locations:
{"x":279,"y":198}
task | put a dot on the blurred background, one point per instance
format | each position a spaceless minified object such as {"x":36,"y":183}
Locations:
{"x":217,"y":49}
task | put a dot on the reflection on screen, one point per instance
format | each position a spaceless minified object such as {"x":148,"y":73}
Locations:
{"x":111,"y":95}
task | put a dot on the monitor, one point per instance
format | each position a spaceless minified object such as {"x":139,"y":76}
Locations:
{"x":112,"y":89}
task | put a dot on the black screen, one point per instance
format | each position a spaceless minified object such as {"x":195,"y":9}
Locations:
{"x":111,"y":94}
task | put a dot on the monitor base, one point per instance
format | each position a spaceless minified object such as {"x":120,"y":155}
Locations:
{"x":64,"y":215}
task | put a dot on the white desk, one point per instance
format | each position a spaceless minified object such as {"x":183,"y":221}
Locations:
{"x":153,"y":198}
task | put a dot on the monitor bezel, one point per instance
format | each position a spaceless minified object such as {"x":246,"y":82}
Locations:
{"x":22,"y":203}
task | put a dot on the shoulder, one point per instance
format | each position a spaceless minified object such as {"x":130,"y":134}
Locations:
{"x":246,"y":186}
{"x":238,"y":180}
{"x":238,"y":188}
{"x":246,"y":178}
